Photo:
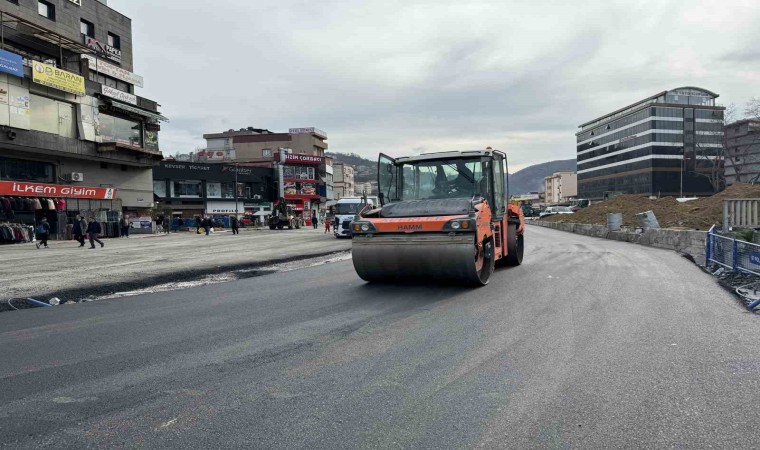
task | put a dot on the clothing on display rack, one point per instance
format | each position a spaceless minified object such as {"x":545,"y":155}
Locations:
{"x":12,"y":233}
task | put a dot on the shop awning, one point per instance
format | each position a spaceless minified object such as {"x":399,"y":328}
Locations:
{"x":136,"y":110}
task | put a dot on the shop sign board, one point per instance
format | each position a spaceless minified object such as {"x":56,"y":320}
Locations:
{"x":23,"y":189}
{"x":11,"y":63}
{"x":114,"y":71}
{"x":298,"y":158}
{"x":56,"y":78}
{"x":111,"y":53}
{"x":125,"y":97}
{"x":213,"y":207}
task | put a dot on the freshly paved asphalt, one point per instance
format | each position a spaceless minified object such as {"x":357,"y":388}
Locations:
{"x":589,"y":344}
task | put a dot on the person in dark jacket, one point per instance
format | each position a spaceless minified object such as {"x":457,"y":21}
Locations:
{"x":314,"y":219}
{"x":198,"y":224}
{"x":77,"y":230}
{"x":43,"y":233}
{"x":124,"y":226}
{"x":94,"y":229}
{"x":207,"y":224}
{"x":235,"y":225}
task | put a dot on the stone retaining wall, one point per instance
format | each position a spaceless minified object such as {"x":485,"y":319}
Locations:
{"x":683,"y":241}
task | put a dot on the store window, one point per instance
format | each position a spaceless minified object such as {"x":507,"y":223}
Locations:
{"x":121,"y":131}
{"x":186,"y":189}
{"x":87,"y":28}
{"x":46,"y":9}
{"x":213,"y":190}
{"x":21,"y":170}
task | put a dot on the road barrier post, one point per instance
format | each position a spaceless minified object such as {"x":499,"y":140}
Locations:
{"x":735,"y":264}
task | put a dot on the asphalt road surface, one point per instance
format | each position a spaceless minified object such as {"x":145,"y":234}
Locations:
{"x":589,"y":344}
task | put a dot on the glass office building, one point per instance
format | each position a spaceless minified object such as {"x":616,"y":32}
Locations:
{"x":667,"y":144}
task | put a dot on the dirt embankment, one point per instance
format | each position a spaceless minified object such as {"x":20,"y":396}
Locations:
{"x":694,"y":215}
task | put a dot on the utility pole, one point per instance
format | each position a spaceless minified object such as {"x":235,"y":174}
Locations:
{"x":683,"y":161}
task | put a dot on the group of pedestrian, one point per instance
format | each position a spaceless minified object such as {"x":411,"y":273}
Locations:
{"x":207,"y":223}
{"x":82,"y":229}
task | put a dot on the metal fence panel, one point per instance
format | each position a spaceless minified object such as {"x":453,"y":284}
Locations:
{"x":733,"y":253}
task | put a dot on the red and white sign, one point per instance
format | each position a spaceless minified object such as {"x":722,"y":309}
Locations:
{"x":302,"y":159}
{"x":22,"y":189}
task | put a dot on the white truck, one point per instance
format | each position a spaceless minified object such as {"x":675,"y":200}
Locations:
{"x":345,"y":210}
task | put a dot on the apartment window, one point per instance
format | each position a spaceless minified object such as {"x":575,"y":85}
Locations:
{"x":46,"y":9}
{"x":114,"y":40}
{"x":267,"y":152}
{"x":87,"y":28}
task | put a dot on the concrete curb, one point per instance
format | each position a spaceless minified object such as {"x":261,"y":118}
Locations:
{"x":688,"y":242}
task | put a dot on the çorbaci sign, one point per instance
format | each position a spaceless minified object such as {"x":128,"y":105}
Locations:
{"x":114,"y":71}
{"x":56,"y":78}
{"x":303,"y":159}
{"x":125,"y":97}
{"x":23,"y":189}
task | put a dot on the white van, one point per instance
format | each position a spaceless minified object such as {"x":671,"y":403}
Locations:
{"x":345,"y":209}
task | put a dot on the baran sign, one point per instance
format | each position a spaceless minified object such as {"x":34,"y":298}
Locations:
{"x":22,"y":189}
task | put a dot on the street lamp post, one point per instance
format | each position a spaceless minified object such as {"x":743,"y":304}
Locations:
{"x":236,"y":189}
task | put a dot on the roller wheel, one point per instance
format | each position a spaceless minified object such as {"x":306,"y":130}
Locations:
{"x":272,"y":227}
{"x":484,"y":263}
{"x":515,"y":246}
{"x":279,"y":226}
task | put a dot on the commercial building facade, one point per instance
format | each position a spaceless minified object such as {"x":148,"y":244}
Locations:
{"x":667,"y":144}
{"x":199,"y":189}
{"x":561,"y":186}
{"x":68,"y":107}
{"x":303,"y":176}
{"x":742,"y":157}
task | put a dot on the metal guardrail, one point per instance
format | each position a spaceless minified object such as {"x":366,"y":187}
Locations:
{"x":732,"y":253}
{"x":741,"y":212}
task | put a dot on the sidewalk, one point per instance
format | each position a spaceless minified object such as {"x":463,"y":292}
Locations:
{"x":65,"y":268}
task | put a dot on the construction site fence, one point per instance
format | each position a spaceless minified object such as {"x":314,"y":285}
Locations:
{"x":732,"y":253}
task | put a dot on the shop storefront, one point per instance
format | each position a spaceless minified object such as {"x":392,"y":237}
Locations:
{"x":194,"y":189}
{"x":301,"y":184}
{"x":24,"y":204}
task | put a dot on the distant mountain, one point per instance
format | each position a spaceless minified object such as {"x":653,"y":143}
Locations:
{"x":531,"y":178}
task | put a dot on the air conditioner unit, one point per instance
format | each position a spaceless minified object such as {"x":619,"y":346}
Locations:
{"x":75,"y":176}
{"x":257,"y":197}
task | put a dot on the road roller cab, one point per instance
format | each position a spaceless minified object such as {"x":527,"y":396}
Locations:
{"x":441,"y":216}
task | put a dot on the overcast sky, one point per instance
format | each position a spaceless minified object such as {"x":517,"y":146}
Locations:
{"x":409,"y":76}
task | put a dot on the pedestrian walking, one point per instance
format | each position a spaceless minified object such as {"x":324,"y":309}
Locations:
{"x":314,"y":219}
{"x":165,"y":223}
{"x":337,"y":223}
{"x":206,"y":224}
{"x":43,"y":233}
{"x":77,"y":230}
{"x":83,"y":226}
{"x":124,"y":223}
{"x":93,"y":230}
{"x":327,"y":225}
{"x":198,"y":224}
{"x":235,"y":225}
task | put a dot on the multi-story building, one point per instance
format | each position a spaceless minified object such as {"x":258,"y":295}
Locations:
{"x":302,"y":173}
{"x":666,"y":144}
{"x":72,"y":124}
{"x":561,"y":186}
{"x":259,"y":145}
{"x":742,"y":155}
{"x":343,"y":174}
{"x":363,"y":188}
